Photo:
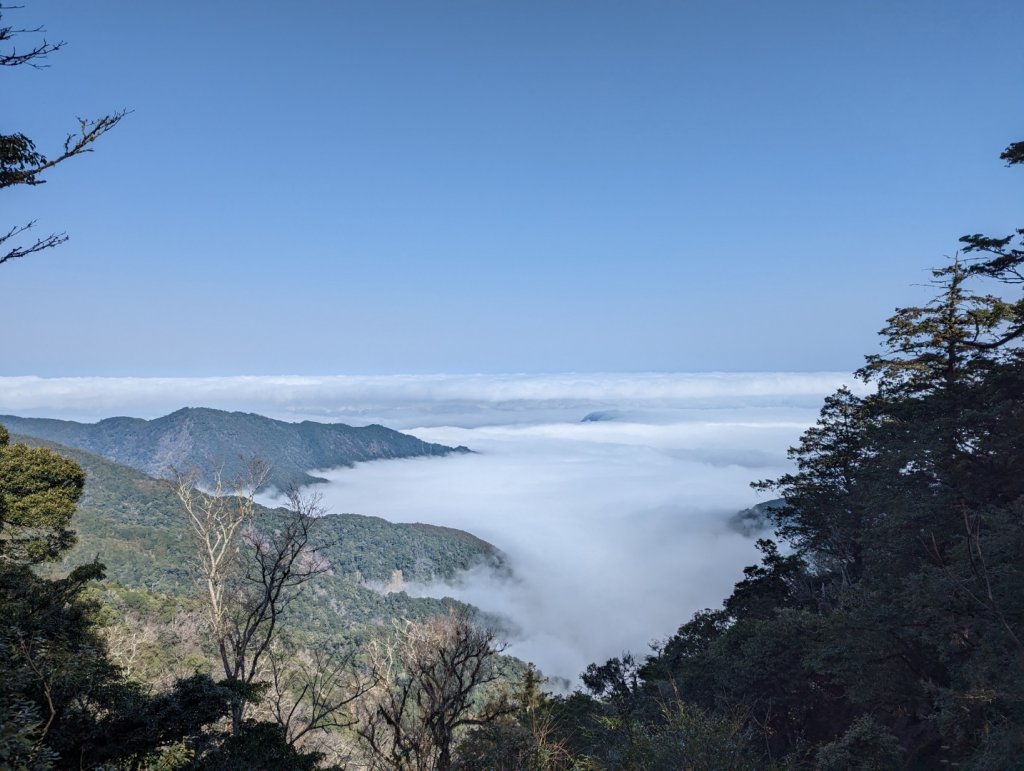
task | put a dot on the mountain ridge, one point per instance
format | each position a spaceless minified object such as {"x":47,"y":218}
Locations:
{"x":210,"y":440}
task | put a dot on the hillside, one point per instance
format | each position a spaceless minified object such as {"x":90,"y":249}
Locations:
{"x":756,"y":520}
{"x":135,"y":525}
{"x":207,"y":439}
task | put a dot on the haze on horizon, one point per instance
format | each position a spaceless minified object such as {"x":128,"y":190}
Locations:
{"x":368,"y":188}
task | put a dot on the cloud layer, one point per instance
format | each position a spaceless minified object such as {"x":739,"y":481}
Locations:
{"x":405,"y":401}
{"x":616,"y":531}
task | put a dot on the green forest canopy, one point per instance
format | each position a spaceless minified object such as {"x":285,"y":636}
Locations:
{"x":887,"y":628}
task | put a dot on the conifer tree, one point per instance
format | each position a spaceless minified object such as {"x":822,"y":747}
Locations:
{"x":893,"y":634}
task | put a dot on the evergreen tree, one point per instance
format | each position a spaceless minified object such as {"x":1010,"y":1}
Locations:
{"x":63,"y":703}
{"x":891,"y":633}
{"x":38,"y":493}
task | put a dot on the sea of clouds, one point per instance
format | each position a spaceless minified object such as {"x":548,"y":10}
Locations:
{"x":611,"y":495}
{"x":405,"y":401}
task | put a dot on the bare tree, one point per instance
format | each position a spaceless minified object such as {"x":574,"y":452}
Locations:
{"x":215,"y":519}
{"x":313,"y":692}
{"x":184,"y":635}
{"x":129,"y":640}
{"x":20,"y":162}
{"x":430,"y":682}
{"x":248,"y":575}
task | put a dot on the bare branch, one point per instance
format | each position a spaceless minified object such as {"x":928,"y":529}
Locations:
{"x":312,"y":690}
{"x":249,"y":576}
{"x":46,"y":242}
{"x":25,"y":169}
{"x":34,"y":54}
{"x":429,"y":678}
{"x":20,"y":162}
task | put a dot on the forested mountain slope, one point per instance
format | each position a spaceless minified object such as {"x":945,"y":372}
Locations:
{"x":154,"y":661}
{"x":136,"y":526}
{"x":207,"y":439}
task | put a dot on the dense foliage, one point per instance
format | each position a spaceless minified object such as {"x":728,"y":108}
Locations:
{"x":110,"y":664}
{"x":117,"y":672}
{"x":885,"y":630}
{"x":63,"y":702}
{"x":38,"y":493}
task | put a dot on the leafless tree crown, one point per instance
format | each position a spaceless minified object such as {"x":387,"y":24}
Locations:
{"x":430,"y":682}
{"x":248,"y":575}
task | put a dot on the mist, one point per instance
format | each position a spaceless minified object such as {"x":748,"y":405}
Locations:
{"x":616,"y":532}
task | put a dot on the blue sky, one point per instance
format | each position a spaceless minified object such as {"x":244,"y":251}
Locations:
{"x":389,"y":187}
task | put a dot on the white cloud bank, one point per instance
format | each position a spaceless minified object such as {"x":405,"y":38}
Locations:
{"x":617,"y":532}
{"x":404,"y":401}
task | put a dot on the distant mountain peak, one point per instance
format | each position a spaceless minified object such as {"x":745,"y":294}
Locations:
{"x":208,"y":440}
